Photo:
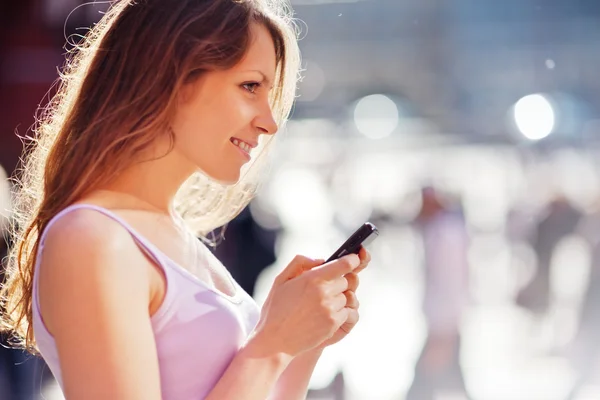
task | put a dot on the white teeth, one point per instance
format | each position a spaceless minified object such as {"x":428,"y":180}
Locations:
{"x":242,"y":145}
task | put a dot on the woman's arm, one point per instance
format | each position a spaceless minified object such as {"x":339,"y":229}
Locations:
{"x":94,"y":296}
{"x":252,"y":374}
{"x":293,"y":383}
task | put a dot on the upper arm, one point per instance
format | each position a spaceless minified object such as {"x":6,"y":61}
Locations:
{"x":94,"y":296}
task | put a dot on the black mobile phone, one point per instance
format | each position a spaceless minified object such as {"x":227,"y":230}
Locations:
{"x":362,"y":237}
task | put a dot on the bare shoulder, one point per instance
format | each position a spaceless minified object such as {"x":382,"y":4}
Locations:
{"x":84,"y":230}
{"x":89,"y":239}
{"x":88,"y":257}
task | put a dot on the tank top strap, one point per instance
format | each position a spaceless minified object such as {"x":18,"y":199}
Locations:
{"x":144,"y":243}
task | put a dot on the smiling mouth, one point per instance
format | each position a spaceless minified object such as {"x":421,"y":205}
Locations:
{"x":241,"y":144}
{"x":246,"y":146}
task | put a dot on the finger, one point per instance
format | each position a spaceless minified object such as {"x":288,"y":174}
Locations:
{"x":337,"y":268}
{"x":353,"y":281}
{"x":365,"y":259}
{"x":338,"y":285}
{"x":340,"y":317}
{"x":313,"y":264}
{"x":351,"y":320}
{"x":364,"y":254}
{"x":296,"y":267}
{"x":339,"y":302}
{"x":351,"y":299}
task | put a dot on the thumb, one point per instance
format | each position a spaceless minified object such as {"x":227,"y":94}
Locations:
{"x":295,"y":268}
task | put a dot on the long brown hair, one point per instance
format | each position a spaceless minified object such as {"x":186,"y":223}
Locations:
{"x":116,"y":94}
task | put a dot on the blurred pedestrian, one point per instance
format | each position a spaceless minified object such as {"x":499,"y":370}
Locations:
{"x":445,"y":245}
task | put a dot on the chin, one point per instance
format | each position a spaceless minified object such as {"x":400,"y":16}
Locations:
{"x":228,"y":182}
{"x":226,"y":179}
{"x":224,"y":172}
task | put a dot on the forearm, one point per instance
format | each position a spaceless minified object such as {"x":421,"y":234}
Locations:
{"x":251,"y":375}
{"x":293,"y":382}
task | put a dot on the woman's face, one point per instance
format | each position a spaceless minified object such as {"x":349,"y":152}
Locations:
{"x":221,"y":116}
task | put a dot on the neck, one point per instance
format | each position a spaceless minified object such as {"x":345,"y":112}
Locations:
{"x":154,"y":182}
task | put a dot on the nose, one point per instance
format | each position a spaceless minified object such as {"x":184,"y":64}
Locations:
{"x":265,"y":122}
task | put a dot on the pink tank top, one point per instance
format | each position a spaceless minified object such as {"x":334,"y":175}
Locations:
{"x":197,"y":330}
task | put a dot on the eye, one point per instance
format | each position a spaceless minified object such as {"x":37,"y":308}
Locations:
{"x":251,"y":86}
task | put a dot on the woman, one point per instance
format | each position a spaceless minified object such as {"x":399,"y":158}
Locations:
{"x":149,"y":141}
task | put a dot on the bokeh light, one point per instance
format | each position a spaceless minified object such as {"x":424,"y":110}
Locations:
{"x":376,"y":116}
{"x":534,"y":116}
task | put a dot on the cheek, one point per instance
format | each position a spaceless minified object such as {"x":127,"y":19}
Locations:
{"x":233,"y":118}
{"x":190,"y":134}
{"x":212,"y":125}
{"x":192,"y":138}
{"x":202,"y":139}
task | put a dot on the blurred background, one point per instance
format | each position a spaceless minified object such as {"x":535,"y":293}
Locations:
{"x":467,"y":131}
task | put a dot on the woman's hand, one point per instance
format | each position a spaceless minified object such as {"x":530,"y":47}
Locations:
{"x":307,"y":305}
